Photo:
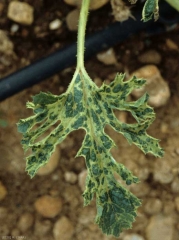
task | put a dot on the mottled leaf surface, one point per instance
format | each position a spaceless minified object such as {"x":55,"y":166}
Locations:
{"x":150,"y":10}
{"x":85,"y":106}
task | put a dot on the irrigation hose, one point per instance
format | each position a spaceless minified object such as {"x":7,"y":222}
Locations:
{"x":66,"y":57}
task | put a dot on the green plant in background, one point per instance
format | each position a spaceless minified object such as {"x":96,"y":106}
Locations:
{"x":150,"y":9}
{"x":86,"y":106}
{"x":174,"y":4}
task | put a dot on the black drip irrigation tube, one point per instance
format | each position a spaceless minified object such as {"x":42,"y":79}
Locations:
{"x":66,"y":57}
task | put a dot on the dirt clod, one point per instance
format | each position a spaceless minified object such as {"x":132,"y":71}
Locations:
{"x":63,"y":229}
{"x":156,"y":86}
{"x":48,"y":206}
{"x":20,"y":12}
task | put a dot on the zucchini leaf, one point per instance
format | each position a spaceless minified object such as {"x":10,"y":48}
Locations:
{"x":86,"y":106}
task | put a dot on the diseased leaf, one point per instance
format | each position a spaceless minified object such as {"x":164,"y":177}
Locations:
{"x":150,"y":9}
{"x":85,"y":106}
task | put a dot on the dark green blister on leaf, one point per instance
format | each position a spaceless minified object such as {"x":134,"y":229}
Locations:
{"x":118,"y":211}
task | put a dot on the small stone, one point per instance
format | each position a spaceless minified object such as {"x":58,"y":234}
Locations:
{"x":177,"y":203}
{"x":175,"y":185}
{"x":63,"y":229}
{"x":177,"y":151}
{"x":163,"y":171}
{"x":142,"y":173}
{"x":164,"y":128}
{"x":25,"y":222}
{"x":54,"y":192}
{"x":82,"y":179}
{"x":6,"y":61}
{"x":171,"y":44}
{"x":72,"y":196}
{"x":87,"y":216}
{"x":72,"y":20}
{"x":51,"y":164}
{"x":121,"y":116}
{"x":133,"y":237}
{"x":88,"y":234}
{"x":153,"y":206}
{"x":156,"y":86}
{"x":42,"y":227}
{"x":20,"y":12}
{"x":3,"y":191}
{"x":55,"y":177}
{"x":98,"y":81}
{"x":70,"y":177}
{"x":93,"y":4}
{"x":14,"y":28}
{"x":55,"y":24}
{"x":108,"y":57}
{"x":169,"y":207}
{"x":141,"y":222}
{"x":6,"y":46}
{"x":160,"y":227}
{"x":73,"y":2}
{"x":141,"y":189}
{"x":48,"y":206}
{"x":121,"y":12}
{"x":151,"y":56}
